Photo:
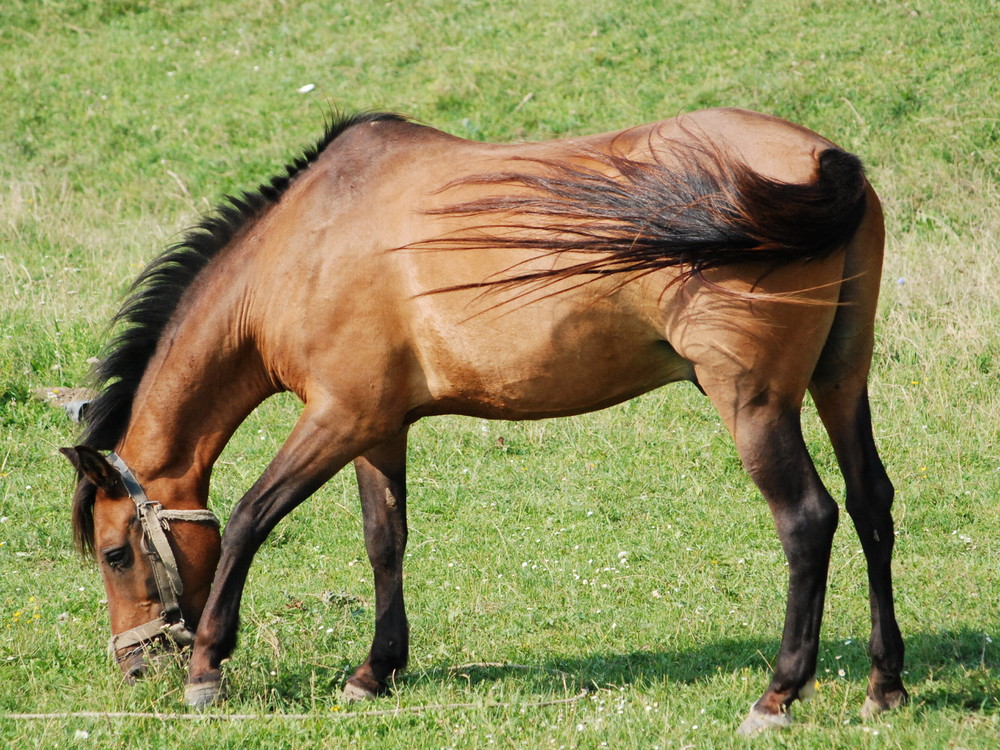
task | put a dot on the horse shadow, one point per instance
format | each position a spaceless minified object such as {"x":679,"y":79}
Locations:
{"x":935,"y":662}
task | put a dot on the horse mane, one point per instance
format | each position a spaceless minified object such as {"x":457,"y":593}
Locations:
{"x":153,"y":298}
{"x":704,"y":210}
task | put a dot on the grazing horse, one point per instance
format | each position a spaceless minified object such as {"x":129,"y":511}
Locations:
{"x":395,"y":272}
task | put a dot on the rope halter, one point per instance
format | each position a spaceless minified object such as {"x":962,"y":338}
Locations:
{"x":154,"y":520}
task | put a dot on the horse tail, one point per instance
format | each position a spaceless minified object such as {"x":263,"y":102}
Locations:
{"x":703,"y":209}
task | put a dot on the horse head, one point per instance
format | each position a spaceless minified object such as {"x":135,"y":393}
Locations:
{"x":157,"y":562}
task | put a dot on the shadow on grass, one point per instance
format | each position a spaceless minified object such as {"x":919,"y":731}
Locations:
{"x":935,"y":664}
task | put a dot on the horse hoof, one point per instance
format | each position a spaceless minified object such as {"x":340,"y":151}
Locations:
{"x":355,"y":693}
{"x":873,"y":708}
{"x":758,"y":722}
{"x":202,"y":694}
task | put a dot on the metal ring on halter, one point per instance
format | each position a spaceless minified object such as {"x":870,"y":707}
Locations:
{"x":154,"y":520}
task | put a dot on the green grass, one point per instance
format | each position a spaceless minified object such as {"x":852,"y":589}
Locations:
{"x":123,"y":120}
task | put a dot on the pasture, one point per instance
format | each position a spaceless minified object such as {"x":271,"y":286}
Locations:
{"x":611,"y":580}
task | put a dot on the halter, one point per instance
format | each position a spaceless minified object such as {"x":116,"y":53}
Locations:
{"x":154,"y":520}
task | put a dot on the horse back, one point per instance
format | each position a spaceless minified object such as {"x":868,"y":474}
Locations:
{"x":355,"y":239}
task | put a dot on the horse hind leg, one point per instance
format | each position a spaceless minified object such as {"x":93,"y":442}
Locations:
{"x":839,"y":390}
{"x":847,"y":417}
{"x":768,"y":436}
{"x":381,"y":476}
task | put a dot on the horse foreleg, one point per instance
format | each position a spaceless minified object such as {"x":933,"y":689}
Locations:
{"x":846,"y":414}
{"x":382,"y":482}
{"x":314,"y":451}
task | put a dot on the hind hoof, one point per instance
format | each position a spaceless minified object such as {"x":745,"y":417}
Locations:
{"x":873,"y":708}
{"x":758,"y":722}
{"x":202,"y":694}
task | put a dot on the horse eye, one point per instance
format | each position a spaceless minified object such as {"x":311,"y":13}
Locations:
{"x":117,"y":557}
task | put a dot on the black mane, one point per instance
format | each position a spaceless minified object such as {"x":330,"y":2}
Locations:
{"x":155,"y":294}
{"x":153,"y":300}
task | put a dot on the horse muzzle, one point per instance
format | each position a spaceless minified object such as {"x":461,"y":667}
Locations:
{"x":134,"y":649}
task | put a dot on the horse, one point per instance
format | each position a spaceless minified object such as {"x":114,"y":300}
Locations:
{"x":394,"y":272}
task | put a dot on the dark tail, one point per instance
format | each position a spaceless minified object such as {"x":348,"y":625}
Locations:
{"x":635,"y":217}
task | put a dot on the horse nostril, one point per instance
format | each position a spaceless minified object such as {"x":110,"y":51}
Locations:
{"x":134,"y":667}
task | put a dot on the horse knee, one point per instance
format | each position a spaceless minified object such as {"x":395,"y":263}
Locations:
{"x":385,"y":547}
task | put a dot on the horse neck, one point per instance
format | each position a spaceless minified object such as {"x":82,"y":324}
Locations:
{"x":204,"y":380}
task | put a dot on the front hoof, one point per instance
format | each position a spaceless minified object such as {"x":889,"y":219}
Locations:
{"x":354,"y":693}
{"x":758,"y":722}
{"x":202,"y":694}
{"x":873,"y":707}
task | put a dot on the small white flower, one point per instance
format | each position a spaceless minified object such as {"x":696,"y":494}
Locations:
{"x":81,"y":734}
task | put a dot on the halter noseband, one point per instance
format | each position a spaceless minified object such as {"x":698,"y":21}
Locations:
{"x":154,"y":520}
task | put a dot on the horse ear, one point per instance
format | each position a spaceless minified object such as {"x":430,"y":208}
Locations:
{"x":92,"y":465}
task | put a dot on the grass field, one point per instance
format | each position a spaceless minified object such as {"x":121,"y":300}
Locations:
{"x":624,"y":552}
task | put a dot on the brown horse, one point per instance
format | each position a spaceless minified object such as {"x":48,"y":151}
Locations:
{"x":396,"y":272}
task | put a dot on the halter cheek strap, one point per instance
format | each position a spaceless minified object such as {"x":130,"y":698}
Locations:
{"x":154,"y":520}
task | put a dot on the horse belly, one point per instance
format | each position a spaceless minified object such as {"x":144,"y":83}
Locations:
{"x":516,"y":366}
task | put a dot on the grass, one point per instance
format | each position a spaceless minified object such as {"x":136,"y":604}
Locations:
{"x":123,"y":120}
